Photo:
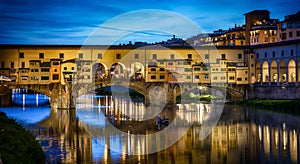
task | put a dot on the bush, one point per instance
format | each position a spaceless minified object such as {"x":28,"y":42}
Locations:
{"x":18,"y":145}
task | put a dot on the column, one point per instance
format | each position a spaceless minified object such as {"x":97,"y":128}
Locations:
{"x":297,"y":82}
{"x":269,"y":72}
{"x":261,"y":73}
{"x":278,"y":73}
{"x":287,"y":72}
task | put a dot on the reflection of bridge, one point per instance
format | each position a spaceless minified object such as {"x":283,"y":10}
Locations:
{"x":63,"y":96}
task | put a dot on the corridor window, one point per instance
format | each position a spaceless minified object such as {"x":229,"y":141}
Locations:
{"x":136,"y":56}
{"x":41,"y":55}
{"x":118,"y":56}
{"x":154,"y":56}
{"x":21,"y":54}
{"x":61,"y":55}
{"x":80,"y":55}
{"x":99,"y":55}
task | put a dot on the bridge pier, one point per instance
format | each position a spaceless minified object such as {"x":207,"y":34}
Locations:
{"x":61,"y":97}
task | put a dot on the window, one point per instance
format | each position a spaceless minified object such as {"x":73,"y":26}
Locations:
{"x":231,"y":77}
{"x":72,"y":68}
{"x":55,"y":77}
{"x":239,"y":79}
{"x":215,"y":78}
{"x":55,"y":63}
{"x":197,"y":77}
{"x":283,"y":26}
{"x":298,"y":33}
{"x":34,"y":78}
{"x":266,"y":55}
{"x":223,"y":56}
{"x":65,"y":68}
{"x":61,"y":55}
{"x":197,"y":69}
{"x":153,"y":69}
{"x":161,"y":69}
{"x":12,"y":65}
{"x":45,"y":78}
{"x":118,"y":56}
{"x":161,"y":62}
{"x":23,"y":64}
{"x":170,"y":63}
{"x":2,"y":64}
{"x":99,"y":55}
{"x":206,"y":76}
{"x":252,"y":56}
{"x":292,"y":52}
{"x":273,"y":54}
{"x":283,"y":36}
{"x":172,"y":56}
{"x":252,"y":65}
{"x":257,"y":55}
{"x":290,"y":25}
{"x":154,"y":56}
{"x":239,"y":56}
{"x":242,"y":42}
{"x":187,"y":69}
{"x":153,"y":77}
{"x":34,"y":70}
{"x":206,"y":56}
{"x":223,"y":77}
{"x":290,"y":34}
{"x":21,"y":54}
{"x":187,"y":63}
{"x":223,"y":69}
{"x":136,"y":56}
{"x":188,"y":77}
{"x":162,"y":77}
{"x":282,"y":53}
{"x":189,"y":56}
{"x":55,"y":70}
{"x":80,"y":55}
{"x":45,"y":69}
{"x":41,"y":55}
{"x":180,"y":63}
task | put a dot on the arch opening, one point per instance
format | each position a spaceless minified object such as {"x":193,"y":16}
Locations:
{"x":117,"y":70}
{"x":257,"y":71}
{"x":273,"y":72}
{"x":292,"y":71}
{"x":99,"y":71}
{"x":265,"y":72}
{"x":282,"y":71}
{"x":136,"y":71}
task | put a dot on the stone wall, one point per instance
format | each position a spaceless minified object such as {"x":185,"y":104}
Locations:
{"x":274,"y":92}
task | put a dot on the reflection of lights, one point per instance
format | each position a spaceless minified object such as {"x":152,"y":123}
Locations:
{"x":284,"y":139}
{"x":268,"y":134}
{"x":259,"y":133}
{"x":105,"y":155}
{"x":37,"y":99}
{"x":276,"y":137}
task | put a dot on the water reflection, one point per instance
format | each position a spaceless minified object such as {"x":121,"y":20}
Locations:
{"x":242,"y":134}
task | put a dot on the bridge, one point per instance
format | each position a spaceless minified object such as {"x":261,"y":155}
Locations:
{"x":64,"y":95}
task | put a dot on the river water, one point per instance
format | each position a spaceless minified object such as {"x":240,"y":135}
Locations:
{"x":103,"y":129}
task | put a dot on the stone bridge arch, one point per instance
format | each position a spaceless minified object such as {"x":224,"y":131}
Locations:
{"x":60,"y":95}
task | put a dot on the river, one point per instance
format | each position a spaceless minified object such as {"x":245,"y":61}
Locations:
{"x":104,"y":129}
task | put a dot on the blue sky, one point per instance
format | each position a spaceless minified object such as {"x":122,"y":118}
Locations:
{"x":73,"y":21}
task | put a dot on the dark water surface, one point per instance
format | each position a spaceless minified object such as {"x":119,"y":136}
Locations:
{"x":242,"y":134}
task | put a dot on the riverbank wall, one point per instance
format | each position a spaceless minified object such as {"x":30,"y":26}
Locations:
{"x":5,"y":96}
{"x":274,"y":92}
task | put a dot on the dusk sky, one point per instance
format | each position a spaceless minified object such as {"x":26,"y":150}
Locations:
{"x":73,"y":21}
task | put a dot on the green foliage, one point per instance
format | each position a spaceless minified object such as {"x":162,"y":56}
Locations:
{"x":18,"y":145}
{"x":282,"y":106}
